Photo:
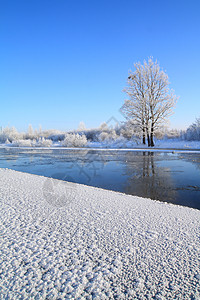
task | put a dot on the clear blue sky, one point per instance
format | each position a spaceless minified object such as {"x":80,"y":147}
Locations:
{"x":62,"y":62}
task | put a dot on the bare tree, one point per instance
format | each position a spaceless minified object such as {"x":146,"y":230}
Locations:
{"x":150,"y":101}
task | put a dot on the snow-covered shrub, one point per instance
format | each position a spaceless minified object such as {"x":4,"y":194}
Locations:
{"x":74,"y":140}
{"x":22,"y":143}
{"x":42,"y":142}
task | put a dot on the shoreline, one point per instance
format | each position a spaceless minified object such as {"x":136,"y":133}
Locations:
{"x":68,"y":240}
{"x":176,"y":150}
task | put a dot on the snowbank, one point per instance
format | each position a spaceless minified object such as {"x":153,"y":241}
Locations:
{"x":63,"y":240}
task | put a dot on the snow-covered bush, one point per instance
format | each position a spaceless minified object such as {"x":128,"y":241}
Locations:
{"x":74,"y":140}
{"x":42,"y":142}
{"x":22,"y":143}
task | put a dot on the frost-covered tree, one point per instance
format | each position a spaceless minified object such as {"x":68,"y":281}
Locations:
{"x":81,"y":126}
{"x":40,"y":130}
{"x":173,"y":134}
{"x":193,"y":131}
{"x":130,"y":130}
{"x":30,"y":129}
{"x":108,"y":136}
{"x":150,"y":101}
{"x":9,"y":134}
{"x":104,"y":127}
{"x":135,"y":107}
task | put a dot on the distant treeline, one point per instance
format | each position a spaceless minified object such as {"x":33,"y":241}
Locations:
{"x":127,"y":131}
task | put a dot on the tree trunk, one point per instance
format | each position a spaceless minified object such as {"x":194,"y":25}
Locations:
{"x":143,"y":136}
{"x":152,"y":132}
{"x":148,"y":139}
{"x":143,"y":132}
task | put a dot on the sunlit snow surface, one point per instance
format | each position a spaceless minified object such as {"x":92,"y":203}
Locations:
{"x":63,"y":240}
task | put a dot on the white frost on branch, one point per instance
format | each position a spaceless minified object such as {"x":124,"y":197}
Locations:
{"x":150,"y":101}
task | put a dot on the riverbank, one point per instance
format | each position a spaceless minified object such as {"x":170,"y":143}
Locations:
{"x":135,"y":149}
{"x":64,"y":240}
{"x":124,"y":145}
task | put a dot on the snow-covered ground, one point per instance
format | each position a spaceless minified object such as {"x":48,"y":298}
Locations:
{"x":62,"y":240}
{"x":159,"y":144}
{"x":177,"y":144}
{"x":118,"y":144}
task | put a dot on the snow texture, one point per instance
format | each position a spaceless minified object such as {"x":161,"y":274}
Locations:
{"x":62,"y":240}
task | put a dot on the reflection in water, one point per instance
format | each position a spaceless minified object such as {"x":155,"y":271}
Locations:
{"x":146,"y":179}
{"x":10,"y":155}
{"x":156,"y":175}
{"x":193,"y":158}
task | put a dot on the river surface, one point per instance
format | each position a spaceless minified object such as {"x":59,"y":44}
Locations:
{"x":165,"y":176}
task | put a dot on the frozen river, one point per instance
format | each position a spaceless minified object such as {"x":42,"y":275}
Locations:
{"x":164,"y":176}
